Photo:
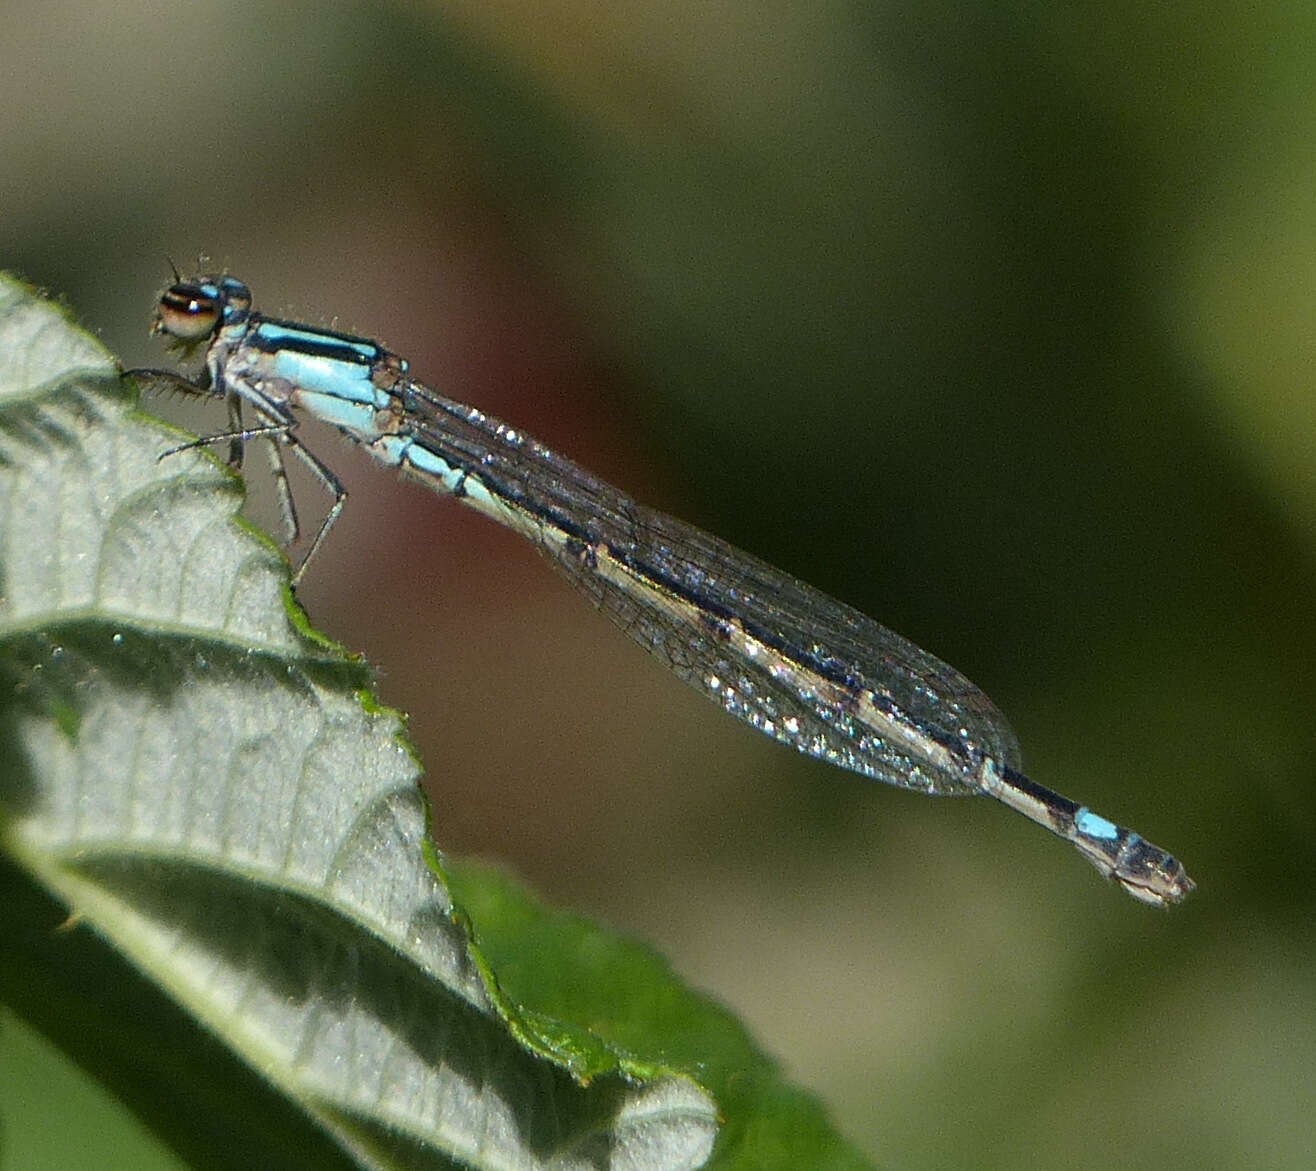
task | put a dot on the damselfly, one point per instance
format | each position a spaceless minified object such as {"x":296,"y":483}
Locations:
{"x":776,"y":653}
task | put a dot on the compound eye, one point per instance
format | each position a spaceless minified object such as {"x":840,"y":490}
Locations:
{"x":186,"y":312}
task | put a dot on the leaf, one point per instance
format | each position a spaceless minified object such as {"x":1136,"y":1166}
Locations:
{"x":568,"y":966}
{"x":206,"y":785}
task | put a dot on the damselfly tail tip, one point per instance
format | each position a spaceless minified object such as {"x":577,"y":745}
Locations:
{"x":1155,"y":877}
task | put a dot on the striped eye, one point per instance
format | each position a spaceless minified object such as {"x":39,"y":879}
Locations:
{"x":187,"y":312}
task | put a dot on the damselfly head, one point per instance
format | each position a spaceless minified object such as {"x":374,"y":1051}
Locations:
{"x":190,"y":311}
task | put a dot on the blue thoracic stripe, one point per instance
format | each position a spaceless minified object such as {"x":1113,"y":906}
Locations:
{"x":335,"y":366}
{"x":271,"y":335}
{"x":330,"y":376}
{"x":775,"y":653}
{"x":352,"y":415}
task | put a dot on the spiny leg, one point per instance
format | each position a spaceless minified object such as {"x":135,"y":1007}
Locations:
{"x":330,"y":482}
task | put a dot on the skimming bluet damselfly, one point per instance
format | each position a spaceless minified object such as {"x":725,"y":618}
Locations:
{"x":776,"y":653}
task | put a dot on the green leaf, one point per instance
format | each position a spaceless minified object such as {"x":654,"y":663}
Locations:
{"x":569,"y":967}
{"x":205,"y":785}
{"x":264,"y":958}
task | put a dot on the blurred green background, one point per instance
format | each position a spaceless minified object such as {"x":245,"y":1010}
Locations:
{"x":994,"y":320}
